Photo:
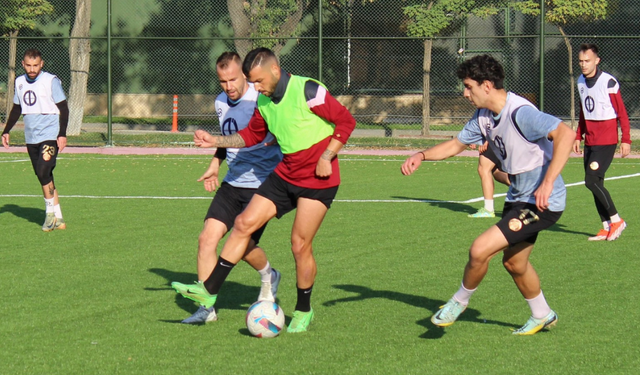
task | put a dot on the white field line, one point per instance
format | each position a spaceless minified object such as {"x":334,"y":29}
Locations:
{"x":472,"y":200}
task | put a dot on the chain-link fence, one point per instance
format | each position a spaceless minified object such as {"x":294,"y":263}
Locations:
{"x":146,"y":55}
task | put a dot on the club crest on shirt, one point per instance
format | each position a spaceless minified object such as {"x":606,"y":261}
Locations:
{"x":48,"y":152}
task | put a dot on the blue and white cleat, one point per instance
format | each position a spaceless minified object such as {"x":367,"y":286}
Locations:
{"x":534,"y":325}
{"x":202,"y":316}
{"x":448,"y":313}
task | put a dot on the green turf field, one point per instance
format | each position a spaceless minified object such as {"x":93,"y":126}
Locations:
{"x":95,"y":298}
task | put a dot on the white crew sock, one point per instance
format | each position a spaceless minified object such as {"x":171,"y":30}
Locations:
{"x":48,"y":204}
{"x":605,"y":225}
{"x":488,"y":205}
{"x":463,"y":294}
{"x":265,"y":273}
{"x":615,"y":218}
{"x":57,"y":211}
{"x":539,"y":307}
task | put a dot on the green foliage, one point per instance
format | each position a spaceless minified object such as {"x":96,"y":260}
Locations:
{"x":20,"y":14}
{"x":268,"y":18}
{"x":431,"y":17}
{"x":563,"y":12}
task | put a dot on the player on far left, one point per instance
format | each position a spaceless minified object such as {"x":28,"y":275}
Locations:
{"x":40,"y":98}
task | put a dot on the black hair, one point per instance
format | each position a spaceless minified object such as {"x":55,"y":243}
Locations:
{"x":482,"y":68}
{"x":257,"y":57}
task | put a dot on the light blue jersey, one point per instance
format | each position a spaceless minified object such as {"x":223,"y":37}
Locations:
{"x":38,"y":102}
{"x":518,"y":137}
{"x":248,"y":167}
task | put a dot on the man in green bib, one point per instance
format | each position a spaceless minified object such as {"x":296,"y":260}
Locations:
{"x":311,"y":127}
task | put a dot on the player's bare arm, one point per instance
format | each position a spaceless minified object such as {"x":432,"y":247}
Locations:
{"x":323,"y":168}
{"x":439,"y":152}
{"x":210,"y":176}
{"x":205,"y":140}
{"x":563,"y":138}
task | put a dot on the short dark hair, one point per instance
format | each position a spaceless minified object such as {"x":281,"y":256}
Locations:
{"x":584,"y":47}
{"x":32,"y":53}
{"x":257,"y":57}
{"x":482,"y":68}
{"x":226,"y":58}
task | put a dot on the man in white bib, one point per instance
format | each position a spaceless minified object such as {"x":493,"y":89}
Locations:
{"x":39,"y":97}
{"x":601,"y":110}
{"x":532,"y":148}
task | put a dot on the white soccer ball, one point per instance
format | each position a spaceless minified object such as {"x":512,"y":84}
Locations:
{"x":265,"y":319}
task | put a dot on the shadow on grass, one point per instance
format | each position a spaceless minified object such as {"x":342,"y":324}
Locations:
{"x":233,"y":296}
{"x":433,"y":305}
{"x":452,"y":206}
{"x":33,"y":215}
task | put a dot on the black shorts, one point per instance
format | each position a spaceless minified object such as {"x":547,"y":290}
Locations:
{"x":519,"y":225}
{"x":228,"y":203}
{"x":285,"y":195}
{"x":43,"y":159}
{"x":597,"y":159}
{"x":489,"y":154}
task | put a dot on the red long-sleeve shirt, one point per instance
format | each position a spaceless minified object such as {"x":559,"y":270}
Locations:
{"x":299,"y":168}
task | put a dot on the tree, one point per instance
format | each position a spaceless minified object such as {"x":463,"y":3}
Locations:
{"x":562,"y":13}
{"x":79,"y":58}
{"x":431,"y":18}
{"x":254,"y":19}
{"x":16,"y":15}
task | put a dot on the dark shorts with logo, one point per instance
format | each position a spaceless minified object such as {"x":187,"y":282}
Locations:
{"x":43,"y":159}
{"x":228,"y":203}
{"x":597,"y":159}
{"x":489,"y":154}
{"x":519,"y":225}
{"x":285,"y":195}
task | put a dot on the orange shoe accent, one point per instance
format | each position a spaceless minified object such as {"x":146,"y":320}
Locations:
{"x":615,"y":230}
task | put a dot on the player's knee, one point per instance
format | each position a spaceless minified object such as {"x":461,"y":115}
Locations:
{"x":300,"y":246}
{"x":513,"y":267}
{"x":45,"y":175}
{"x":592,"y":182}
{"x":478,"y":255}
{"x":244,"y":224}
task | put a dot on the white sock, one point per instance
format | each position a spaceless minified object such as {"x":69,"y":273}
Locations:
{"x":57,"y":211}
{"x":265,"y":273}
{"x":605,"y":224}
{"x":615,"y":218}
{"x":539,"y":307}
{"x":463,"y":294}
{"x":48,"y":204}
{"x":488,"y":205}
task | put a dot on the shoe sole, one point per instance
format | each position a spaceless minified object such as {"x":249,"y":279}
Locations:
{"x":534,"y":331}
{"x":61,"y":227}
{"x":599,"y":238}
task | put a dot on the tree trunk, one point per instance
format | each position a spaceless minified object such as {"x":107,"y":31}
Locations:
{"x":426,"y":87}
{"x":241,"y":27}
{"x":79,"y":58}
{"x":573,"y":82}
{"x":11,"y":76}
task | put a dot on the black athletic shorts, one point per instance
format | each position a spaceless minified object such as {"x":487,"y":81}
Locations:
{"x":285,"y":195}
{"x":489,"y":154}
{"x":228,"y":203}
{"x":43,"y":159}
{"x":597,"y":159}
{"x":519,"y":224}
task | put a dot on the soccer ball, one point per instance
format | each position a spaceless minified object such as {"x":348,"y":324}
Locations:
{"x":265,"y":319}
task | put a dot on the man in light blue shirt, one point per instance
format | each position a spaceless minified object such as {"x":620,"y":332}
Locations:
{"x":533,"y":148}
{"x":39,"y":97}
